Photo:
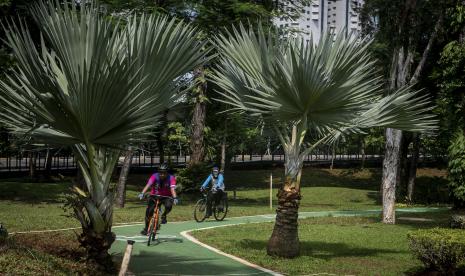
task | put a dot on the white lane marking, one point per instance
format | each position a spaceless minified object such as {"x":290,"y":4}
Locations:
{"x":141,"y":238}
{"x":72,"y":228}
{"x":231,"y":274}
{"x":187,"y":235}
{"x":267,"y":216}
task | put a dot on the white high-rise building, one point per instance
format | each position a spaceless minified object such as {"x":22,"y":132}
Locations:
{"x":322,"y":16}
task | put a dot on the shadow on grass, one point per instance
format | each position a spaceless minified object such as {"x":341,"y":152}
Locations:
{"x":34,"y":192}
{"x":321,"y":250}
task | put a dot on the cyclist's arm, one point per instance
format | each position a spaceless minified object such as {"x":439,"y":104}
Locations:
{"x":220,"y":184}
{"x":173,"y":186}
{"x":149,"y":184}
{"x":205,"y":183}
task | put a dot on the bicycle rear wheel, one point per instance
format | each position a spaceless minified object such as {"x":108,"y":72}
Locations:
{"x":200,"y":210}
{"x":220,"y":211}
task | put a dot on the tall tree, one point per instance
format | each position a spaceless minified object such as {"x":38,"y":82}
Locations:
{"x":213,"y":16}
{"x":97,"y":88}
{"x":404,"y":26}
{"x":308,"y":90}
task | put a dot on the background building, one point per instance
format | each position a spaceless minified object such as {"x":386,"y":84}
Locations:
{"x":325,"y":15}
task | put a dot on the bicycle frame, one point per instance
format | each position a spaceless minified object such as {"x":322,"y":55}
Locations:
{"x":154,"y":221}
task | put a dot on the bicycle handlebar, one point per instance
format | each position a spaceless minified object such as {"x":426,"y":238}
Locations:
{"x":159,"y":196}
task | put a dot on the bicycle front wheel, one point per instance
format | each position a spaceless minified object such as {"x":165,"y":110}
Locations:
{"x":200,"y":210}
{"x":151,"y":231}
{"x":221,"y":210}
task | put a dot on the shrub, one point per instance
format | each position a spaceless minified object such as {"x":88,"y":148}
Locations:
{"x":457,"y":221}
{"x":190,"y":178}
{"x":440,"y":249}
{"x":3,"y":234}
{"x":456,"y":168}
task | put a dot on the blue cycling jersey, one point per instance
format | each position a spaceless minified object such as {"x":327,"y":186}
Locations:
{"x":217,"y":183}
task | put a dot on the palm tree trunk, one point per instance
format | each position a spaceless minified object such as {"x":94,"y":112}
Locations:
{"x":413,"y":167}
{"x":94,"y":208}
{"x":391,"y":170}
{"x":284,"y":241}
{"x":123,"y":177}
{"x":198,"y":119}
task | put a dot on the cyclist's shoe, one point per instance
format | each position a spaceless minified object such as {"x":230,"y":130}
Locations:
{"x":143,"y":232}
{"x":163,"y":220}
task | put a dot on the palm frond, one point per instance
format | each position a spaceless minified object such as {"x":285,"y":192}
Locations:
{"x":92,"y":81}
{"x":331,"y":84}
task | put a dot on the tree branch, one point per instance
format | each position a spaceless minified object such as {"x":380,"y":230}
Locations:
{"x":426,"y":52}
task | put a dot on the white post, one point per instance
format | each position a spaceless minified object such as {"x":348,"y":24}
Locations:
{"x":126,"y":258}
{"x":271,"y":191}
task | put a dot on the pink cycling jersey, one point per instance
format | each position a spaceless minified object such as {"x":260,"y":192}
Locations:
{"x":159,"y":188}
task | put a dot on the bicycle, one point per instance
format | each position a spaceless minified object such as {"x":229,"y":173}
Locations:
{"x":219,"y":211}
{"x":154,"y":224}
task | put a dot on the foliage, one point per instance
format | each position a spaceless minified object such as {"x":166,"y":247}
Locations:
{"x":457,"y":222}
{"x":190,"y":179}
{"x":450,"y":76}
{"x":440,"y":249}
{"x":177,"y":136}
{"x":456,"y":168}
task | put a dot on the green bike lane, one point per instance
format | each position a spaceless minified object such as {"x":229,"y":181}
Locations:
{"x":177,"y":253}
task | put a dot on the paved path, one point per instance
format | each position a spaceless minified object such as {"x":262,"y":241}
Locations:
{"x":178,"y":255}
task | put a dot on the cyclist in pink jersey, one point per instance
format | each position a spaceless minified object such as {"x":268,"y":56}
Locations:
{"x":161,"y":184}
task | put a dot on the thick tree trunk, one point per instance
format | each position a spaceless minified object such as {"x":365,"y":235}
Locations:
{"x":123,"y":177}
{"x":400,"y":68}
{"x":400,"y":71}
{"x":391,"y":167}
{"x":198,"y":119}
{"x":413,"y":166}
{"x":284,"y":241}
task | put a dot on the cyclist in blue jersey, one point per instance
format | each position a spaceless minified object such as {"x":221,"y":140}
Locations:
{"x":215,"y":181}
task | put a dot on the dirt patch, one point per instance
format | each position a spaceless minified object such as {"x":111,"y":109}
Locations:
{"x":62,"y":244}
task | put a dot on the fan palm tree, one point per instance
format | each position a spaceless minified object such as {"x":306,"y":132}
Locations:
{"x":96,"y":87}
{"x":308,"y":92}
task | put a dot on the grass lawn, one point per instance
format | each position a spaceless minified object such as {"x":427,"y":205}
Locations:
{"x":26,"y":206}
{"x":341,"y":246}
{"x":35,"y":206}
